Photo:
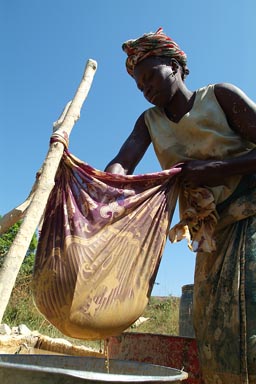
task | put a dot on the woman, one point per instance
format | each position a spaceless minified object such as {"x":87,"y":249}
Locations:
{"x":212,"y":132}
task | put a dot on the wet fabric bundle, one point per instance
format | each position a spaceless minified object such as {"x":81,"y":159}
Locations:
{"x":100,"y":247}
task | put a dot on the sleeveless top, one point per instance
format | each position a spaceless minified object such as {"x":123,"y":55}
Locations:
{"x":203,"y":133}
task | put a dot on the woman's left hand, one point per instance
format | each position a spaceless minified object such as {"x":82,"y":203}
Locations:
{"x":203,"y":172}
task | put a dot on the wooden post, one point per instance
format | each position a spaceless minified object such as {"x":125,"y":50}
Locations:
{"x":32,"y":209}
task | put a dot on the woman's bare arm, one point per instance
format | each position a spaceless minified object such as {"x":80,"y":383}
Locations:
{"x":239,"y":109}
{"x":132,"y":150}
{"x":240,"y":112}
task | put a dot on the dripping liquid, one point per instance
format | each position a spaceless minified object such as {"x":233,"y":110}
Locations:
{"x":106,"y":354}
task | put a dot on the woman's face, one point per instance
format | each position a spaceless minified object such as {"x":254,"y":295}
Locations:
{"x":156,"y":79}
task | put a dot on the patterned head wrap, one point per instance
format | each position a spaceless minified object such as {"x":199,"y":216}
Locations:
{"x":153,"y":44}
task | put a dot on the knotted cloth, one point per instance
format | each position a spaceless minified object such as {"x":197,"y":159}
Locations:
{"x":152,"y":44}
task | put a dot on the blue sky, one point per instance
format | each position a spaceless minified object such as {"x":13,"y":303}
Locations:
{"x":44,"y":47}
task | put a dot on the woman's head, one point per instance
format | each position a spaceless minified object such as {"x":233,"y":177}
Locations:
{"x":153,"y":44}
{"x":159,"y":78}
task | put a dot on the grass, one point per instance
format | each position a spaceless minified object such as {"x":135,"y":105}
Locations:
{"x":163,"y":315}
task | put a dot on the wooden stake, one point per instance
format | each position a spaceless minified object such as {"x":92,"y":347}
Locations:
{"x":33,"y":208}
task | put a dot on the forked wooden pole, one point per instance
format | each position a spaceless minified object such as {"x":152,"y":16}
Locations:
{"x":33,"y":208}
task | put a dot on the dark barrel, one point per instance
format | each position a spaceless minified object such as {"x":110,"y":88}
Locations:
{"x":186,"y":311}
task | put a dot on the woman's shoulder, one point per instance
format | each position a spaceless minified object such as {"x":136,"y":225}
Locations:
{"x":153,"y":111}
{"x":220,"y":91}
{"x":224,"y":90}
{"x":230,"y":93}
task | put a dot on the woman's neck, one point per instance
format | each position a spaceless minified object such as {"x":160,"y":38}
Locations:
{"x":181,"y":103}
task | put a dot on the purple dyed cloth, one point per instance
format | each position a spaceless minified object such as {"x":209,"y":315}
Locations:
{"x":100,"y":247}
